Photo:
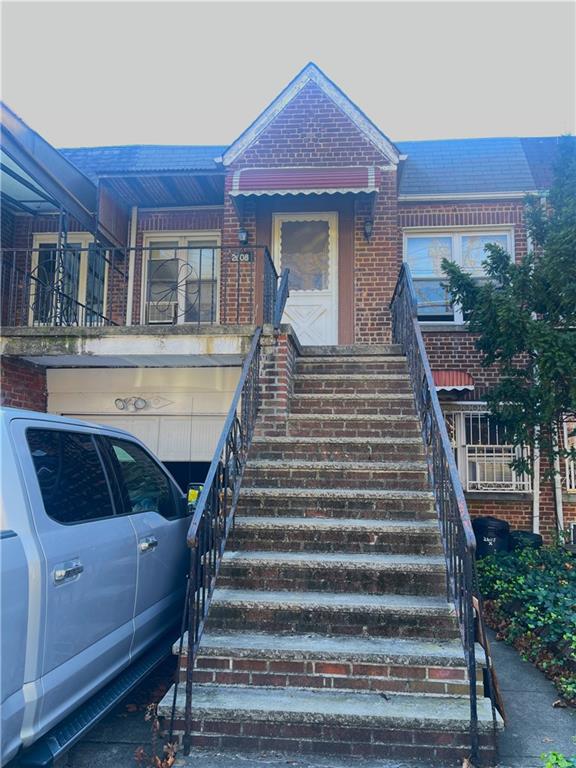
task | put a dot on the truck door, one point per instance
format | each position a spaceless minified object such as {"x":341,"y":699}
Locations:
{"x":157,"y":510}
{"x":89,"y":564}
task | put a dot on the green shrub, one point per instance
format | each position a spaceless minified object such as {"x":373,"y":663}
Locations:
{"x":534,"y":607}
{"x":556,"y":760}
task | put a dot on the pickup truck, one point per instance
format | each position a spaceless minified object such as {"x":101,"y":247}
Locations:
{"x":94,"y":561}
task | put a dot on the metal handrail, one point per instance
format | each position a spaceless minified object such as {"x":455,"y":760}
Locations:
{"x":281,"y":297}
{"x":214,"y":514}
{"x":455,"y":524}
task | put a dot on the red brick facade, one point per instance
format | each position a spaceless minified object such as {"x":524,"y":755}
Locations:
{"x":23,"y":384}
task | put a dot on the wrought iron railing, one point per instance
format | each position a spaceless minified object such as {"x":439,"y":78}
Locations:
{"x":63,"y":286}
{"x":194,"y":284}
{"x":455,"y":524}
{"x":282,"y":296}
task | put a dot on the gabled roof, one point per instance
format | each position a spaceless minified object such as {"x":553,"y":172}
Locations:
{"x":143,"y":158}
{"x":465,"y":166}
{"x":312,"y":73}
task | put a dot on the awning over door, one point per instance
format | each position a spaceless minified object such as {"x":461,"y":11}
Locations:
{"x":305,"y":181}
{"x":453,"y":381}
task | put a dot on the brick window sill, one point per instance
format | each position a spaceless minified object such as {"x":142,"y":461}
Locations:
{"x":443,"y":327}
{"x":498,"y":496}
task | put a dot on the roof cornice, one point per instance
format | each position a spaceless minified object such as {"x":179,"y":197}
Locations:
{"x":311,"y":73}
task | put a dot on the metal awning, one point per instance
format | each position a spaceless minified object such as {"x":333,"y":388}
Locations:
{"x":305,"y":181}
{"x":453,"y":381}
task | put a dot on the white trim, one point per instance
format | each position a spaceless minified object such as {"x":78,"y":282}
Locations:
{"x":183,"y":237}
{"x":131,"y":263}
{"x":467,"y":196}
{"x":284,"y":192}
{"x":311,"y":73}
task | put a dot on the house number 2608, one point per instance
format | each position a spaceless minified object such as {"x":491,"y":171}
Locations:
{"x":244,"y":256}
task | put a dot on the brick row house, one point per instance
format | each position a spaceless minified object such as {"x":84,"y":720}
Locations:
{"x":311,"y":179}
{"x":133,"y":280}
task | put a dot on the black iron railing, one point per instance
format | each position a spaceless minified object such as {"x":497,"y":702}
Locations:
{"x":194,"y":284}
{"x":63,"y":286}
{"x":282,"y":297}
{"x":455,"y":524}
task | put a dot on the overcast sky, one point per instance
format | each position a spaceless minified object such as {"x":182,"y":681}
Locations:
{"x":87,"y":73}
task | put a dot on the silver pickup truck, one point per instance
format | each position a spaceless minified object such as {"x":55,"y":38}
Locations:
{"x":94,"y":560}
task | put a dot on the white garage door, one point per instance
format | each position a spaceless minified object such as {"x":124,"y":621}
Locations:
{"x":171,"y":438}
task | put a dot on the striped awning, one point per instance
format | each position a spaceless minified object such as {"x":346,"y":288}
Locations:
{"x":450,"y":380}
{"x":305,"y":181}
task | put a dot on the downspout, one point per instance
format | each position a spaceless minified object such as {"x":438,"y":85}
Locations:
{"x":557,"y":483}
{"x":131,"y":263}
{"x":536,"y":487}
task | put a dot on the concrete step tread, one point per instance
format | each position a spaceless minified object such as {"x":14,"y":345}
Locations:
{"x":353,"y":350}
{"x":280,"y":439}
{"x":352,"y":376}
{"x":360,"y":561}
{"x":343,"y":601}
{"x":329,"y":706}
{"x":401,"y":466}
{"x":352,"y":359}
{"x":384,"y":650}
{"x":335,"y":493}
{"x":336,"y":524}
{"x":344,"y":417}
{"x":354,"y":396}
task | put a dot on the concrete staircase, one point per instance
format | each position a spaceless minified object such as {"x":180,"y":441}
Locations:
{"x":329,"y":631}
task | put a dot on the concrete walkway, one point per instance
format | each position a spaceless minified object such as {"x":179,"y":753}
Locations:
{"x":533,"y":725}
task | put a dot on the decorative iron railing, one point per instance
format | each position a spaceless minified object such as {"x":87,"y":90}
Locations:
{"x":455,"y":524}
{"x":282,"y":297}
{"x":213,"y":516}
{"x":194,"y":284}
{"x":63,"y":286}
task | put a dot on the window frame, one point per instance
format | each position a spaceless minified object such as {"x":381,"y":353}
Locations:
{"x":456,"y":234}
{"x":460,"y":446}
{"x":569,"y":463}
{"x":114,"y":500}
{"x":177,"y":496}
{"x":184,"y":237}
{"x":86,"y":239}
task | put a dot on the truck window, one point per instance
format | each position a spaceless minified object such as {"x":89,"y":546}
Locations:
{"x":72,"y":482}
{"x":147,"y":487}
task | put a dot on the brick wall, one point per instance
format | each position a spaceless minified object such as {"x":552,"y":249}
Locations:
{"x":277,"y":366}
{"x":23,"y":384}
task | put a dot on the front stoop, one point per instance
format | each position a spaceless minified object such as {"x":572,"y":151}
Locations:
{"x":329,"y":631}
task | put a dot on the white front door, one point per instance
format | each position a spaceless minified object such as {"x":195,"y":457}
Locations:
{"x":307,"y":244}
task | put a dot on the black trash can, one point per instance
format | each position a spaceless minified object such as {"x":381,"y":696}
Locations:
{"x":491,"y":535}
{"x":524,"y":540}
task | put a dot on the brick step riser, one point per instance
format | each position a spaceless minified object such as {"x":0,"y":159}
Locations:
{"x":347,"y":427}
{"x":354,"y":542}
{"x":337,"y":579}
{"x":239,"y":735}
{"x":353,"y":509}
{"x":335,"y":368}
{"x":330,"y":621}
{"x":354,"y":406}
{"x":257,"y":477}
{"x":351,"y":387}
{"x":336,"y":452}
{"x":330,"y":674}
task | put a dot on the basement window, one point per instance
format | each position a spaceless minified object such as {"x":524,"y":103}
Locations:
{"x":424,"y":252}
{"x":483,"y":455}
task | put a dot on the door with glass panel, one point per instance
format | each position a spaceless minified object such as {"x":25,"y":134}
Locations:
{"x":181,"y":281}
{"x":307,"y":244}
{"x":68,"y":285}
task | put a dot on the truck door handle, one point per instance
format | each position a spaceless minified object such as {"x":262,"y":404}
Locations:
{"x":147,"y":544}
{"x":67,"y":571}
